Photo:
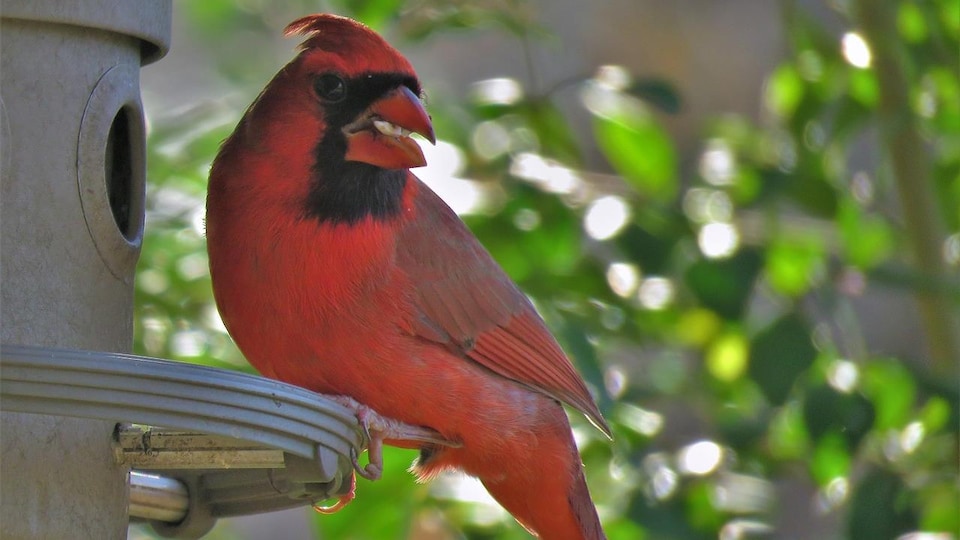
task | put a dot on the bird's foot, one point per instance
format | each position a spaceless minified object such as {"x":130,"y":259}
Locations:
{"x":342,"y":500}
{"x":379,"y":428}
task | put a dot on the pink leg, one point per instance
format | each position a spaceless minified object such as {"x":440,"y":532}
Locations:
{"x":378,"y":428}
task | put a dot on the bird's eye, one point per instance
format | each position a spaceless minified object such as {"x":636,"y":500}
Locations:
{"x":330,"y":88}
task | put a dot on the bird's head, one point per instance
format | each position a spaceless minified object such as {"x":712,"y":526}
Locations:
{"x":331,"y":132}
{"x":362,"y":93}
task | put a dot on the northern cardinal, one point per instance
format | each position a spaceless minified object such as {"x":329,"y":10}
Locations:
{"x":336,"y":269}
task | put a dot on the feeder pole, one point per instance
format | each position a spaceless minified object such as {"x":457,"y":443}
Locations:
{"x":72,"y":176}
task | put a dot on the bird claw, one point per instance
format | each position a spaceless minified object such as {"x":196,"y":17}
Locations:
{"x":373,"y":470}
{"x":342,"y":500}
{"x":377,"y":429}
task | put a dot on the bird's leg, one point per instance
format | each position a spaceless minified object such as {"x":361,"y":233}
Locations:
{"x":379,"y":428}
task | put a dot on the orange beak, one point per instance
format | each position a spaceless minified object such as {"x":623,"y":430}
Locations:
{"x":381,"y":135}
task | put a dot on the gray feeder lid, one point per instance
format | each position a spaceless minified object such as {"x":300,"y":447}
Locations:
{"x":238,"y":444}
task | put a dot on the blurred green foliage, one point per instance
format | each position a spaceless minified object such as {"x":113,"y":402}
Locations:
{"x":712,"y":305}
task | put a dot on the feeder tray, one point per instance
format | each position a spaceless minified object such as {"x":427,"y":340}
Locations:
{"x":230,"y":443}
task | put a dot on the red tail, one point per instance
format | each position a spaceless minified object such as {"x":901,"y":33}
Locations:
{"x":548,"y":494}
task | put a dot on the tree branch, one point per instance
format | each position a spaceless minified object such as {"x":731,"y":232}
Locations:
{"x":911,"y":172}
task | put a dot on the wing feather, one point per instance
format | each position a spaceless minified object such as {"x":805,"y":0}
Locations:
{"x":466,"y":302}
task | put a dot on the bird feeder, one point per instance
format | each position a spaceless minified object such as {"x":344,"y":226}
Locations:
{"x":81,"y":450}
{"x":233,"y":443}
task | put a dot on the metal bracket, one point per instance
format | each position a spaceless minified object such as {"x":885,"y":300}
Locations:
{"x":144,"y":447}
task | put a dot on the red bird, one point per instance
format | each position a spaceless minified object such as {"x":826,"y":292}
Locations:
{"x":336,"y":269}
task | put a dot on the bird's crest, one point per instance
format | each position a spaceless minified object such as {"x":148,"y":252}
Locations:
{"x":333,"y":33}
{"x":326,"y":31}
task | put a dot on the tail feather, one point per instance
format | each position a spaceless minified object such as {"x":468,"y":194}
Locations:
{"x":549,"y":510}
{"x":547,"y":491}
{"x":583,"y":508}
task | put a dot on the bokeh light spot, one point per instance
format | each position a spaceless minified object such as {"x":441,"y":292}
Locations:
{"x":188,"y":343}
{"x":662,"y":480}
{"x":912,"y":436}
{"x":655,"y":293}
{"x":706,"y":205}
{"x":546,"y":174}
{"x":497,"y":91}
{"x":718,"y":240}
{"x":951,"y":250}
{"x":152,"y":281}
{"x":460,"y":487}
{"x":700,"y":458}
{"x":833,"y":495}
{"x":717,"y":163}
{"x":644,"y":422}
{"x":616,"y":380}
{"x":855,"y":50}
{"x":743,"y":529}
{"x":623,"y":278}
{"x":444,"y":162}
{"x":526,"y":219}
{"x":843,"y":376}
{"x":861,"y":187}
{"x":613,"y":77}
{"x":605,"y":217}
{"x":490,"y":140}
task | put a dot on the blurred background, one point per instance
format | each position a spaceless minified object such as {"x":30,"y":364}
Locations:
{"x":741,"y":219}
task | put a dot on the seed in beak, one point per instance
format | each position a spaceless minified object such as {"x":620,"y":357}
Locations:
{"x":390,"y":130}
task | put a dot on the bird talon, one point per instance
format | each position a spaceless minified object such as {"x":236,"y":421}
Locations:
{"x":333,"y":509}
{"x":342,"y":500}
{"x":377,"y":428}
{"x":371,"y":471}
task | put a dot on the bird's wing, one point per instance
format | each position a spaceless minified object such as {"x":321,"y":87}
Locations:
{"x":466,"y":302}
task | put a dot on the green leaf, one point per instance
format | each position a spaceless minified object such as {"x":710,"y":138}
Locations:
{"x":373,"y":13}
{"x":578,"y":345}
{"x":420,"y":22}
{"x":950,"y":17}
{"x":724,"y":285}
{"x":911,"y":22}
{"x":700,"y":507}
{"x":746,"y":185}
{"x":697,"y":327}
{"x":537,"y":257}
{"x":810,"y":184}
{"x":830,"y":459}
{"x":892,"y":389}
{"x":779,"y":354}
{"x":650,"y":251}
{"x":864,"y":88}
{"x":827,"y":412}
{"x":787,"y":437}
{"x":877,"y":508}
{"x":666,"y":519}
{"x":935,"y":414}
{"x":640,"y":150}
{"x":866,"y":240}
{"x":552,"y":130}
{"x":216,"y":18}
{"x":624,"y":529}
{"x":794,"y":264}
{"x":727,"y":357}
{"x":942,"y":86}
{"x":784,"y":90}
{"x":657,"y":92}
{"x":939,"y":508}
